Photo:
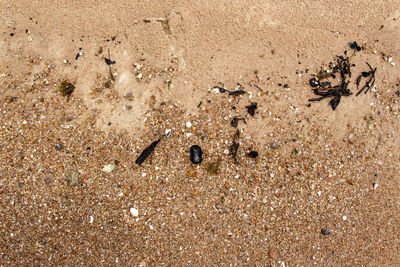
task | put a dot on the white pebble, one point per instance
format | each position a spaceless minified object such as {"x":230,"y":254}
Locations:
{"x":167,"y":133}
{"x":319,"y":193}
{"x":91,"y":219}
{"x":188,"y":124}
{"x":108,"y":168}
{"x":134,"y":212}
{"x":344,"y":218}
{"x":144,"y":174}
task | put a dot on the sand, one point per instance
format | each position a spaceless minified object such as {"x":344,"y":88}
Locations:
{"x":71,"y":192}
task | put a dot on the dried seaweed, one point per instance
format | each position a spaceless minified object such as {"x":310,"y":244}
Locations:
{"x":252,"y":108}
{"x":235,"y":146}
{"x":326,"y":90}
{"x":235,"y":121}
{"x":370,"y":83}
{"x":146,"y":152}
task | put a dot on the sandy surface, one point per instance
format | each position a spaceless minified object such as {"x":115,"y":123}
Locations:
{"x":317,"y":168}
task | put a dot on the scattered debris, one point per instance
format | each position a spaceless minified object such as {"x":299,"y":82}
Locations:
{"x":66,"y":88}
{"x":370,"y":83}
{"x":196,"y":154}
{"x":148,"y":150}
{"x":252,"y":108}
{"x":325,"y":90}
{"x":72,"y":177}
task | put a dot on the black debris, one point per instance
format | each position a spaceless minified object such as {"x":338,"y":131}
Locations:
{"x":314,"y":82}
{"x":325,"y":232}
{"x":235,"y":121}
{"x":221,"y":89}
{"x":370,"y":83}
{"x":196,"y":154}
{"x":12,"y":34}
{"x":235,"y":145}
{"x":355,"y":46}
{"x":237,"y":92}
{"x":59,"y":147}
{"x":252,"y":108}
{"x":326,"y":90}
{"x":66,"y":88}
{"x":109,"y":62}
{"x":253,"y":154}
{"x":148,"y":150}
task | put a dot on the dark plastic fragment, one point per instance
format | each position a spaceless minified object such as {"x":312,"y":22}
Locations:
{"x":196,"y":154}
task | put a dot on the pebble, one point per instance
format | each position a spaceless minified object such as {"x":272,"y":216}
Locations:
{"x":108,"y":168}
{"x":196,"y":154}
{"x":72,"y":177}
{"x":59,"y":147}
{"x":325,"y":232}
{"x":134,"y":212}
{"x":188,"y":124}
{"x":167,"y":133}
{"x":344,"y":218}
{"x":253,"y":154}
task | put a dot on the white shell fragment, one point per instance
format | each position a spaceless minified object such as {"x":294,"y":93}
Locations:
{"x":134,"y":212}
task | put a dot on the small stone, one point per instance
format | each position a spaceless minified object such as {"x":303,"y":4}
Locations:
{"x":274,"y":253}
{"x":58,"y":147}
{"x":325,"y":232}
{"x":188,"y":124}
{"x":108,"y":168}
{"x":72,"y":177}
{"x":253,"y":154}
{"x":134,"y":212}
{"x":344,"y":218}
{"x":167,"y":133}
{"x":196,"y":154}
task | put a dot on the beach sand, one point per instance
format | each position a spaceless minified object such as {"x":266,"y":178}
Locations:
{"x":71,"y":192}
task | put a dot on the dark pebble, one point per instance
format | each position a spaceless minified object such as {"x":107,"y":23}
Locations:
{"x":59,"y":147}
{"x":196,"y":154}
{"x":314,"y":82}
{"x":253,"y":154}
{"x":325,"y":232}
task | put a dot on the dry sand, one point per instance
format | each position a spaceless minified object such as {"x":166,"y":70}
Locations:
{"x":72,"y":194}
